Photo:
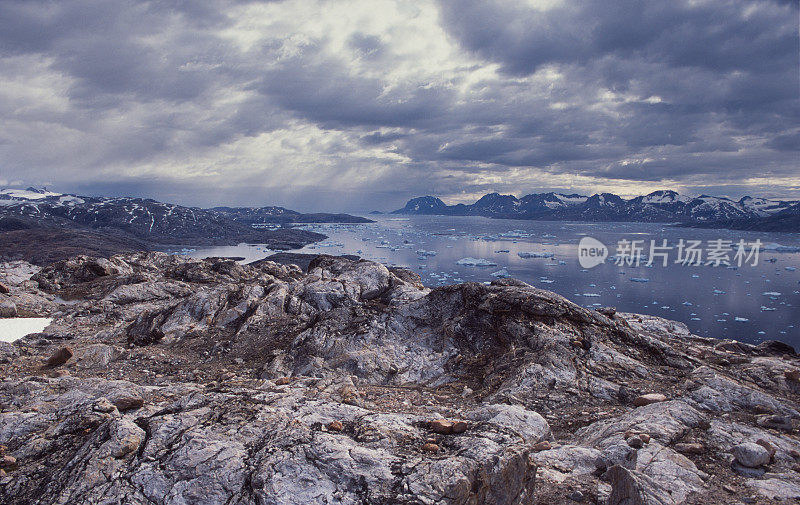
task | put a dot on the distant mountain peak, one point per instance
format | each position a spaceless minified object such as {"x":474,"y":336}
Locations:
{"x":658,"y":206}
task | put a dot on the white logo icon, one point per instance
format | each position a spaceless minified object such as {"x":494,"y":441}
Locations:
{"x":591,"y":252}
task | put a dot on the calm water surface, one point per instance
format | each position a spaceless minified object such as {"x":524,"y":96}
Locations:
{"x":748,"y":303}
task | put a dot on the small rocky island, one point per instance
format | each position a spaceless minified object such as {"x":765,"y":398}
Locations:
{"x":167,"y":380}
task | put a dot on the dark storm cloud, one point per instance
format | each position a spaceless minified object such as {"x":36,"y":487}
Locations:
{"x":713,"y":35}
{"x":518,"y":98}
{"x":324,"y":91}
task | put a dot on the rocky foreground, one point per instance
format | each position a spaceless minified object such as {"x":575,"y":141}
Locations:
{"x":164,"y":380}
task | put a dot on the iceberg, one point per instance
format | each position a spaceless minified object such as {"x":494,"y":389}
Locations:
{"x":475,"y":262}
{"x":534,"y":255}
{"x":501,"y":274}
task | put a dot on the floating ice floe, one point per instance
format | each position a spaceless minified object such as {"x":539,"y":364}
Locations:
{"x":771,"y":293}
{"x":790,"y":269}
{"x":501,"y":251}
{"x":764,"y":308}
{"x":501,"y":274}
{"x":515,"y":234}
{"x":639,"y":279}
{"x":780,"y":248}
{"x":475,"y":262}
{"x":526,"y":255}
{"x":741,"y":319}
{"x":591,"y":295}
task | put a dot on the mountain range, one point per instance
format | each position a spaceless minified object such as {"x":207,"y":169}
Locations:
{"x":45,"y":226}
{"x":659,"y":206}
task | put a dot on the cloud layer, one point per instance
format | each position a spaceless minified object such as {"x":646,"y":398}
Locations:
{"x":359,"y":104}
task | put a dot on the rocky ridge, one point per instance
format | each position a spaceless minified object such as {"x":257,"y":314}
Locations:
{"x":175,"y":381}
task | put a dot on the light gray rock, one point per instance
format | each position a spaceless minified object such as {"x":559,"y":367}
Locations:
{"x":750,"y":454}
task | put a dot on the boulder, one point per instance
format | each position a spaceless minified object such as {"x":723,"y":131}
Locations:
{"x":751,"y":454}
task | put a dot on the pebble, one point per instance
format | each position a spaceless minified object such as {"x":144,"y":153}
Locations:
{"x":281,"y":381}
{"x":447,"y":426}
{"x":649,"y":398}
{"x":750,"y":454}
{"x":128,"y":402}
{"x":544,"y":445}
{"x":430,"y":447}
{"x":335,"y":426}
{"x":689,"y":448}
{"x":635,"y":442}
{"x":60,"y":357}
{"x":9,"y":462}
{"x":4,"y":289}
{"x":576,"y":496}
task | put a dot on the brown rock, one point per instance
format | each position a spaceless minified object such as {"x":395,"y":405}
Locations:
{"x":335,"y":426}
{"x":645,"y":437}
{"x":3,"y":450}
{"x":793,"y":453}
{"x":766,"y":445}
{"x":689,"y":448}
{"x":282,"y":381}
{"x":128,"y":402}
{"x":8,"y":462}
{"x":460,"y":427}
{"x":792,"y":375}
{"x":635,"y":442}
{"x":429,"y":447}
{"x":578,"y":344}
{"x":544,"y":445}
{"x":447,"y":426}
{"x":60,"y":357}
{"x":649,"y":398}
{"x":4,"y":289}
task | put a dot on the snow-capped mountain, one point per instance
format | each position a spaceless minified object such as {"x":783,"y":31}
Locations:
{"x":658,"y":206}
{"x":156,"y":222}
{"x":424,"y":205}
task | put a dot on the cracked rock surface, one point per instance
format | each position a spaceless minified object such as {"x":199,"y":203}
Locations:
{"x":210,"y":382}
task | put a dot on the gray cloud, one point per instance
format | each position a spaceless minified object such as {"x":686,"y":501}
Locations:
{"x":232,"y":101}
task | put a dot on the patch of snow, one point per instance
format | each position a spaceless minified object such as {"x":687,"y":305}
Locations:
{"x":15,"y":328}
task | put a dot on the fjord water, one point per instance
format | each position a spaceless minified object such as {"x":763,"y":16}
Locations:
{"x":748,"y":303}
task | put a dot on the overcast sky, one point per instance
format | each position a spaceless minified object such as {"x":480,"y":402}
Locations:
{"x":361,"y":104}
